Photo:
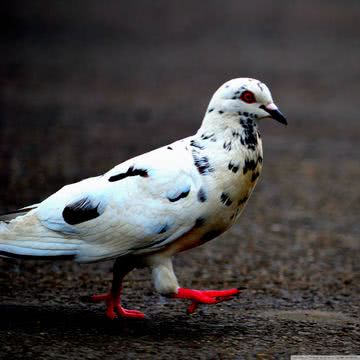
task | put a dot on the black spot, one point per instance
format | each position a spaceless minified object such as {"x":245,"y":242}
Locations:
{"x":194,"y":143}
{"x":234,"y":168}
{"x":249,"y":136}
{"x":227,"y":145}
{"x":210,"y":235}
{"x":200,"y":221}
{"x":243,"y":200}
{"x":246,"y":113}
{"x":235,"y":134}
{"x":164,"y":229}
{"x":254,"y":176}
{"x":249,"y":165}
{"x":225,"y":199}
{"x":130,"y":172}
{"x":210,"y":110}
{"x":255,"y":116}
{"x":220,"y":112}
{"x":182,"y":195}
{"x":234,"y":97}
{"x":237,"y":92}
{"x":260,"y":159}
{"x":80,"y":211}
{"x":34,"y":257}
{"x":240,"y":113}
{"x":202,"y":164}
{"x":207,"y":136}
{"x":201,"y":195}
{"x":170,"y":148}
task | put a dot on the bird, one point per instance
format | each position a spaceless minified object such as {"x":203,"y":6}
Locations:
{"x":144,"y":211}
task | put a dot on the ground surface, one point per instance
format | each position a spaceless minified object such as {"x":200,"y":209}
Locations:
{"x":84,"y":88}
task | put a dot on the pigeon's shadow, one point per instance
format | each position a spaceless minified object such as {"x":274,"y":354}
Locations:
{"x":69,"y":320}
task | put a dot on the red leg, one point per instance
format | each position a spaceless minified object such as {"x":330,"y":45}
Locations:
{"x":113,"y":298}
{"x":205,"y":296}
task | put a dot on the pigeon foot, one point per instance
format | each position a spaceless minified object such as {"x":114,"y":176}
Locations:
{"x":114,"y":308}
{"x":205,"y":296}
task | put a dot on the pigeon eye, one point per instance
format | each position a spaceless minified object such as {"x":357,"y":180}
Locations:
{"x":248,"y":97}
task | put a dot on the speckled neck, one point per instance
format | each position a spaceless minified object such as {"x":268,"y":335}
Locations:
{"x":230,"y":131}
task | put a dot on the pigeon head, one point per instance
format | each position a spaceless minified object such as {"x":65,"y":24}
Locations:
{"x":246,"y":95}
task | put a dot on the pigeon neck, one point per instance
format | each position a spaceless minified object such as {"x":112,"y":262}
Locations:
{"x":222,"y":122}
{"x":229,"y":131}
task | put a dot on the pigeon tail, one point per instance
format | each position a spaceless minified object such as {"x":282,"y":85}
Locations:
{"x":25,"y":238}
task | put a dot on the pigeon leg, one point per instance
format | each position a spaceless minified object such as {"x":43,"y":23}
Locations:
{"x":205,"y":296}
{"x":113,"y":298}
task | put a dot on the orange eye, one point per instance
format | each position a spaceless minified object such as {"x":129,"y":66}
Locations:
{"x":248,"y":97}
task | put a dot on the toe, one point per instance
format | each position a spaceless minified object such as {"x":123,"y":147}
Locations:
{"x":192,"y":307}
{"x":99,"y":298}
{"x":135,"y":314}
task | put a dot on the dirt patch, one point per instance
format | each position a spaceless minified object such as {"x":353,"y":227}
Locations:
{"x":315,"y":316}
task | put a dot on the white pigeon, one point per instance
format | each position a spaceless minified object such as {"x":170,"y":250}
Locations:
{"x":147,"y":209}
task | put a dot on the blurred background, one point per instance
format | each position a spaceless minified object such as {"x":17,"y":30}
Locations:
{"x":85,"y":85}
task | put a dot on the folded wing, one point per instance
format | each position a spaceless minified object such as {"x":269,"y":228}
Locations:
{"x":138,"y":206}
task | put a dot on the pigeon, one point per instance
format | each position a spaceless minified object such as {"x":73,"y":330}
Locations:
{"x":147,"y":209}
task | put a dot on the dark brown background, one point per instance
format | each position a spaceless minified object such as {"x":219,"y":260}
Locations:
{"x":86,"y":85}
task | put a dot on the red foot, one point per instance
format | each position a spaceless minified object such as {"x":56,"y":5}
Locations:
{"x":114,"y":308}
{"x":205,"y":296}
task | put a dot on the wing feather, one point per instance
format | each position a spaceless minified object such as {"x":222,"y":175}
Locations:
{"x":140,"y":205}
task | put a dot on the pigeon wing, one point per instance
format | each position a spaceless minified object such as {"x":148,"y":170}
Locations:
{"x":140,"y":205}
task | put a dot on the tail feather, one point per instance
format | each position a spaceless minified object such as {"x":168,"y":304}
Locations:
{"x":25,"y":237}
{"x":10,"y":215}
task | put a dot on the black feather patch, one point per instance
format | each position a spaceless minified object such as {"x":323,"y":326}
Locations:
{"x":243,"y":200}
{"x":202,"y":164}
{"x":254,"y":176}
{"x":80,"y":211}
{"x":199,"y":222}
{"x":225,"y":199}
{"x":130,"y":172}
{"x":182,"y":195}
{"x":207,"y":136}
{"x":249,"y":137}
{"x":249,"y":165}
{"x":196,"y":144}
{"x":234,"y":167}
{"x":201,"y":195}
{"x":227,"y":145}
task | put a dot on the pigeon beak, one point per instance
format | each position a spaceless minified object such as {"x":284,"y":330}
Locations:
{"x":275,"y":113}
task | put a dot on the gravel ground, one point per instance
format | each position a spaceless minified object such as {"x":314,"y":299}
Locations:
{"x":82,"y":89}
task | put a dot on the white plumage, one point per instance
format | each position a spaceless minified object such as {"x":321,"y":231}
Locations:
{"x":148,"y":208}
